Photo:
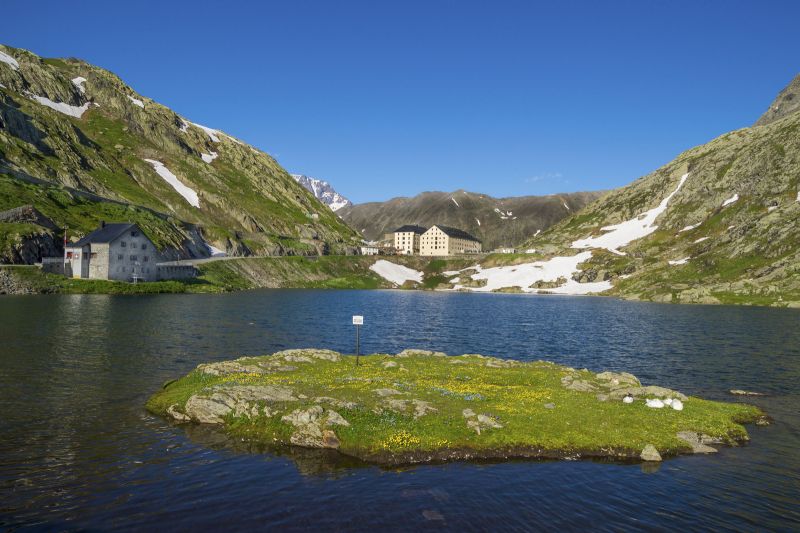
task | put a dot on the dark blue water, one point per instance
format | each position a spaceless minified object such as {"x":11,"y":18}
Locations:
{"x":78,"y":450}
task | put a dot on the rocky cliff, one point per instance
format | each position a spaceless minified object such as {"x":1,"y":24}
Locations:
{"x":725,"y":221}
{"x":82,"y":146}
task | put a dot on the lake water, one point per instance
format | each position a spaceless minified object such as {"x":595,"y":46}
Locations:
{"x":78,"y":450}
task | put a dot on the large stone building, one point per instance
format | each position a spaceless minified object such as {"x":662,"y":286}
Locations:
{"x":407,"y":239}
{"x":443,"y":240}
{"x":118,"y":252}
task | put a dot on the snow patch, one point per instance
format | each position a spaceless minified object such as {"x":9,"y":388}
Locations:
{"x":679,"y":261}
{"x":551,"y":270}
{"x":690,"y":228}
{"x":184,"y":126}
{"x":212,"y":133}
{"x":772,"y":208}
{"x":397,"y":274}
{"x":525,"y":275}
{"x":10,"y":61}
{"x":701,"y":239}
{"x":136,"y":101}
{"x":208,"y":158}
{"x":78,"y":82}
{"x":61,"y":107}
{"x":622,"y":234}
{"x":454,"y":201}
{"x":478,"y":221}
{"x":215,"y":252}
{"x":187,"y":192}
{"x":565,"y":206}
{"x":730,"y":200}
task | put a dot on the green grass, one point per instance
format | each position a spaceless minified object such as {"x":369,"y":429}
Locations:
{"x":83,"y":215}
{"x":43,"y":282}
{"x":514,"y":396}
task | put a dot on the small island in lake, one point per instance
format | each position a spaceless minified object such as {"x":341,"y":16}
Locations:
{"x":421,"y":406}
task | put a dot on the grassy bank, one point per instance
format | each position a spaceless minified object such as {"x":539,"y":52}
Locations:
{"x":31,"y":279}
{"x":422,"y":407}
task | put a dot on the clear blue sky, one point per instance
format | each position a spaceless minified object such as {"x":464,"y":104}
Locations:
{"x":390,"y":99}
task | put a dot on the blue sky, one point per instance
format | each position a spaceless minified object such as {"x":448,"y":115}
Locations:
{"x":388,"y":99}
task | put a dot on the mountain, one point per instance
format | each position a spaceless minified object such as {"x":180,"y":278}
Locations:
{"x":720,"y":223}
{"x":323,"y":192}
{"x":81,"y":146}
{"x":495,"y":221}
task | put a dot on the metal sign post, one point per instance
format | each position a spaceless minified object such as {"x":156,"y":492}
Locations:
{"x":358,"y":321}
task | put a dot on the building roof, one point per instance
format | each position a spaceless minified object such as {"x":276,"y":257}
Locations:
{"x":456,"y":233}
{"x":410,"y":228}
{"x":105,"y":233}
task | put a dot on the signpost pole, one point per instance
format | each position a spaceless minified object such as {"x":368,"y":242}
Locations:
{"x":358,"y":321}
{"x":358,"y":344}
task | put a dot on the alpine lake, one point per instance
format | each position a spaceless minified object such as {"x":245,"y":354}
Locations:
{"x":80,"y":452}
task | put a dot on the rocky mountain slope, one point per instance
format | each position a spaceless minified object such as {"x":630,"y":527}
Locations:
{"x":495,"y":221}
{"x":81,"y":146}
{"x":323,"y":192}
{"x":720,"y":223}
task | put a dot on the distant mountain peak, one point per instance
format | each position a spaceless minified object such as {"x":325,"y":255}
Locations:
{"x":323,"y":191}
{"x":786,"y":103}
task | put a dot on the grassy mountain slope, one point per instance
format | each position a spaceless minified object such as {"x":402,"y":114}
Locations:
{"x":732,"y":230}
{"x":94,"y":154}
{"x":496,"y":221}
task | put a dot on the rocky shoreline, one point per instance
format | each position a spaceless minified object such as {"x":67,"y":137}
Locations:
{"x":426,"y":407}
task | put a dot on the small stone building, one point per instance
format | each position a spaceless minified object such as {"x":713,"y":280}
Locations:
{"x":443,"y":240}
{"x":118,"y":252}
{"x":407,"y":239}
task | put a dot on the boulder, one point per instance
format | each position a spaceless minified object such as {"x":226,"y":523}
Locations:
{"x":172,"y":411}
{"x":618,"y":380}
{"x":387,"y":392}
{"x":241,"y":400}
{"x":698,"y":441}
{"x":649,"y":453}
{"x":420,"y":353}
{"x":310,"y":427}
{"x":650,"y":390}
{"x":422,"y":408}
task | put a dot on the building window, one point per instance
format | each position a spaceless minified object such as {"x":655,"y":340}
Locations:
{"x":144,"y":247}
{"x":120,"y":257}
{"x":122,"y":243}
{"x":133,"y":245}
{"x":134,"y":233}
{"x":146,"y":259}
{"x":134,"y":258}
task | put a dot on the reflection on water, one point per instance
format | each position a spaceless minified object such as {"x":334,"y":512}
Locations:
{"x":79,"y":451}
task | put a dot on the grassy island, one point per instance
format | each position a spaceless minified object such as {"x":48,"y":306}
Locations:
{"x":419,"y":406}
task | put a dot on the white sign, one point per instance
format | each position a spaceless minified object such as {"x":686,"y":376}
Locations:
{"x":358,"y":320}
